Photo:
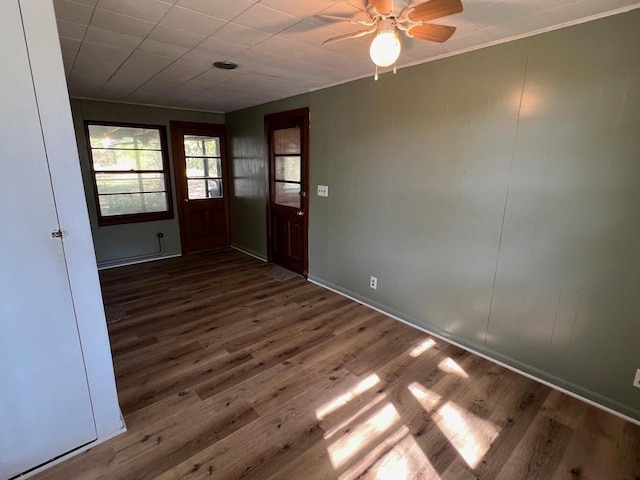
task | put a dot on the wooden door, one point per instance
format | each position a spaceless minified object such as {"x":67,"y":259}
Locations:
{"x":45,"y":406}
{"x":200,"y":167}
{"x":288,"y":152}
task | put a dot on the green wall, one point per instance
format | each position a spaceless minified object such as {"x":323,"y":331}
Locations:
{"x":115,"y":244}
{"x":493,"y":194}
{"x":246,"y":155}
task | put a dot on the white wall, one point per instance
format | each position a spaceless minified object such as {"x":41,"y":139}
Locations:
{"x":57,"y":127}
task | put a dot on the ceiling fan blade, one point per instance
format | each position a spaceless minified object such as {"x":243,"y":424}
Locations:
{"x":433,"y":9}
{"x":333,"y":18}
{"x":355,"y":21}
{"x":432,"y":32}
{"x":383,"y":7}
{"x":347,"y":36}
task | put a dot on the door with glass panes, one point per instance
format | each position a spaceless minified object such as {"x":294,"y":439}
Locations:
{"x":288,"y":143}
{"x":201,"y":187}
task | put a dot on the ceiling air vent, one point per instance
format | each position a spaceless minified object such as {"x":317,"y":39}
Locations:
{"x":226,"y":65}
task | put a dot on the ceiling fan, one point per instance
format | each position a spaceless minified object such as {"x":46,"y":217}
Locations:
{"x":383,"y":20}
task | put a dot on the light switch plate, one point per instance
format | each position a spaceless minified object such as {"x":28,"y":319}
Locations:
{"x":323,"y":191}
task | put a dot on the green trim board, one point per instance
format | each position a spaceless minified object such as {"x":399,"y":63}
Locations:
{"x":251,"y":253}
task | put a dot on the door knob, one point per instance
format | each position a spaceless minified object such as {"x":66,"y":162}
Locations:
{"x":300,"y":213}
{"x":186,"y":200}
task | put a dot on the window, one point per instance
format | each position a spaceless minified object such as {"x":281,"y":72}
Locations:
{"x":204,"y":166}
{"x":288,"y":165}
{"x":130,"y":172}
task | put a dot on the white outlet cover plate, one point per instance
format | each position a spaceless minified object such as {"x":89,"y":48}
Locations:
{"x":323,"y":191}
{"x":373,"y":283}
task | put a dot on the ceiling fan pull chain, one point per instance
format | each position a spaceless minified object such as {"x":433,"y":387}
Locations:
{"x":376,"y":75}
{"x":395,"y":70}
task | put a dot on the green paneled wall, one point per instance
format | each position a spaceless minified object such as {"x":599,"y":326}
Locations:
{"x":494,"y":194}
{"x":246,"y":152}
{"x":117,"y":243}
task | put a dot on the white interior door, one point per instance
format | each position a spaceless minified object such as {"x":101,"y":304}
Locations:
{"x":45,"y":407}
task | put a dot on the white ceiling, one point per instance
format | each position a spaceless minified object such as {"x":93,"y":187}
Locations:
{"x":160,"y":52}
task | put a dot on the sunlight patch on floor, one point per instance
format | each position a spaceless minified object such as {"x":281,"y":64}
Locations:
{"x":470,"y":435}
{"x":397,"y":457}
{"x":417,"y":463}
{"x":360,"y":413}
{"x":426,"y":397}
{"x":369,"y":458}
{"x":393,"y":467}
{"x":449,"y":365}
{"x":340,"y":401}
{"x":422,"y":347}
{"x":359,"y":437}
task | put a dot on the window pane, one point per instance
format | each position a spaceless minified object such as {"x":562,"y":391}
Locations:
{"x":201,"y":145}
{"x":288,"y":194}
{"x":204,"y":188}
{"x":131,"y":203}
{"x":288,"y":168}
{"x":126,"y":159}
{"x":204,"y":167}
{"x":286,"y":140}
{"x":129,"y":182}
{"x":110,"y":136}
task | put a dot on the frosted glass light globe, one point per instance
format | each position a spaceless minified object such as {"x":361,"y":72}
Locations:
{"x":385,"y":48}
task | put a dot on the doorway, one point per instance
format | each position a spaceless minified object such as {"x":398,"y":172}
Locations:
{"x":287,"y":209}
{"x":200,"y":169}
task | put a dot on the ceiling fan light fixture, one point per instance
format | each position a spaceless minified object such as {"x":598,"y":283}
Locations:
{"x":385,"y":48}
{"x":383,"y":20}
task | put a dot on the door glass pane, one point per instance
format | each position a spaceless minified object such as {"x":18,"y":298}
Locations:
{"x":204,"y":167}
{"x":287,"y":194}
{"x":214,"y":188}
{"x":129,"y":182}
{"x":200,"y":145}
{"x":204,"y":188}
{"x":111,"y":159}
{"x":286,"y":141}
{"x":108,"y":136}
{"x":129,"y":203}
{"x":288,"y":168}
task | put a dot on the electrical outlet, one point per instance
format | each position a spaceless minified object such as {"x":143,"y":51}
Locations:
{"x":373,"y":282}
{"x":636,"y":381}
{"x":323,"y":191}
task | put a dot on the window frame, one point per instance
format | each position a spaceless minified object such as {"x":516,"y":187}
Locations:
{"x":164,"y":151}
{"x":283,"y":181}
{"x":206,"y":178}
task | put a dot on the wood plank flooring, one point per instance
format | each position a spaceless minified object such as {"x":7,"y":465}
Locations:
{"x":225,"y":373}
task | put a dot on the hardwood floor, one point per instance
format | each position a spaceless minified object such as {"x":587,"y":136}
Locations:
{"x":226,"y":373}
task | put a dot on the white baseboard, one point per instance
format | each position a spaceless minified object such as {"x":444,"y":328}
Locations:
{"x":251,"y":253}
{"x":72,"y":454}
{"x":124,"y":263}
{"x":322,"y":284}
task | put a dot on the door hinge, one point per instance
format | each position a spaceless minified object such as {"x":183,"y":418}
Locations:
{"x":57,"y":234}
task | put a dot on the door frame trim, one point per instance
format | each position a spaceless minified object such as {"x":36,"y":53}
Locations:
{"x":304,"y":113}
{"x":179,"y":177}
